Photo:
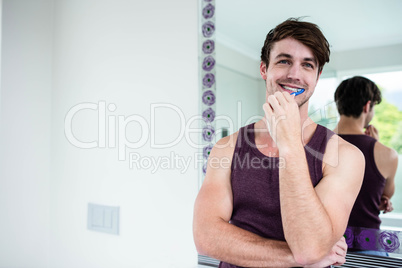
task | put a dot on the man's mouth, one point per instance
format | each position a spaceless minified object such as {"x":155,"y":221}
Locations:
{"x":292,"y":90}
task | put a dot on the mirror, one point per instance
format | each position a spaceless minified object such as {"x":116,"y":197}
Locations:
{"x":365,"y":37}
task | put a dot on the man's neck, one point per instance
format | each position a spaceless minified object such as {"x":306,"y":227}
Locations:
{"x":261,"y":132}
{"x":350,"y":125}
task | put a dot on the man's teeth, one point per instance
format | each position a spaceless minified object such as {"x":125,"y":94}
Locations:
{"x":292,"y":88}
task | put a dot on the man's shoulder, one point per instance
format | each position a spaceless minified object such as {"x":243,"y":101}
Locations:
{"x":343,"y":144}
{"x":337,"y":142}
{"x":226,"y":145}
{"x":385,"y":150}
{"x":385,"y":156}
{"x":228,"y":141}
{"x":339,"y":148}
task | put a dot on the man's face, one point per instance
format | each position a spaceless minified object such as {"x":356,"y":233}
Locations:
{"x":292,"y":66}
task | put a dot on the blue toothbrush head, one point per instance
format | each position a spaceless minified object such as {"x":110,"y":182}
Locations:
{"x":298,"y":92}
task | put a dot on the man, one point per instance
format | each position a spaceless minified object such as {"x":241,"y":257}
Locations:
{"x":355,"y":99}
{"x":278,"y":193}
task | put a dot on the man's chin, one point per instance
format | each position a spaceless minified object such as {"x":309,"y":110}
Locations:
{"x":302,"y":102}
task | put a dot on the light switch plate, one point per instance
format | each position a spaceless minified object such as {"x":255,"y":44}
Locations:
{"x":103,"y":218}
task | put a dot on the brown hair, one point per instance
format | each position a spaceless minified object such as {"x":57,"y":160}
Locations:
{"x":309,"y":34}
{"x":353,"y":93}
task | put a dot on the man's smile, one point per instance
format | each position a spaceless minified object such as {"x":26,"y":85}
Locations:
{"x":291,"y":89}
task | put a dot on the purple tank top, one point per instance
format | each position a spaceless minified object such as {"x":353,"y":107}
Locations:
{"x":255,"y":183}
{"x":365,"y":212}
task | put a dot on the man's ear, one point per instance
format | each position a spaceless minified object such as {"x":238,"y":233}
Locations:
{"x":366,"y":107}
{"x":263,"y":70}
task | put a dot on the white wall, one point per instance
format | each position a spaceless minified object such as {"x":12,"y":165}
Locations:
{"x":127,"y":53}
{"x":240,"y":88}
{"x":384,"y":57}
{"x":25,"y":133}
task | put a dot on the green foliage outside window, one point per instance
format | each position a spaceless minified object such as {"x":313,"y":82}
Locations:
{"x":396,"y":140}
{"x":388,"y":121}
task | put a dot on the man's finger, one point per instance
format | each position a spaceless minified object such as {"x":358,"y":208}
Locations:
{"x":273,"y":101}
{"x":267,"y":109}
{"x":282,"y":99}
{"x":340,"y":251}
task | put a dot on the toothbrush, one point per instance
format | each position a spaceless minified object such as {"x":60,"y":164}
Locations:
{"x":300,"y":91}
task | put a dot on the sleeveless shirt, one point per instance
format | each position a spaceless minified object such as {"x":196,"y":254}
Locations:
{"x":255,"y":183}
{"x":365,"y":212}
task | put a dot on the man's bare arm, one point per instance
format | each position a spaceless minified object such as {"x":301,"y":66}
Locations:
{"x":386,"y":160}
{"x":214,"y":236}
{"x":313,"y":218}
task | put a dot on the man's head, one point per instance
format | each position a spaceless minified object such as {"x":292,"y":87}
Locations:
{"x":307,"y":33}
{"x":292,"y":58}
{"x":355,"y":95}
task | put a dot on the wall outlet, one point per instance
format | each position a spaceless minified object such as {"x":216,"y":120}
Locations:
{"x":103,"y":218}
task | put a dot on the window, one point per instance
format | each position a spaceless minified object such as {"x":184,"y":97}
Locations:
{"x":322,"y":108}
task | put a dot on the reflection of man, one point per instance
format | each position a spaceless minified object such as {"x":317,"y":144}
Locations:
{"x":355,"y":99}
{"x":271,"y":196}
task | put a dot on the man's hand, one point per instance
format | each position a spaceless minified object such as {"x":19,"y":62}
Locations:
{"x":337,"y":255}
{"x":283,"y":118}
{"x":386,"y":204}
{"x":372,"y":132}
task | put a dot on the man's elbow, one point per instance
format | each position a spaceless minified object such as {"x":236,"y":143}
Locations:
{"x":309,"y":255}
{"x":201,"y":242}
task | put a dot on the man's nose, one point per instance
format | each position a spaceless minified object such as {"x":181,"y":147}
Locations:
{"x":294,"y":72}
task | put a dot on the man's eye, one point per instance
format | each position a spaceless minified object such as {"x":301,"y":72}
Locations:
{"x":308,"y":65}
{"x":283,"y":61}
